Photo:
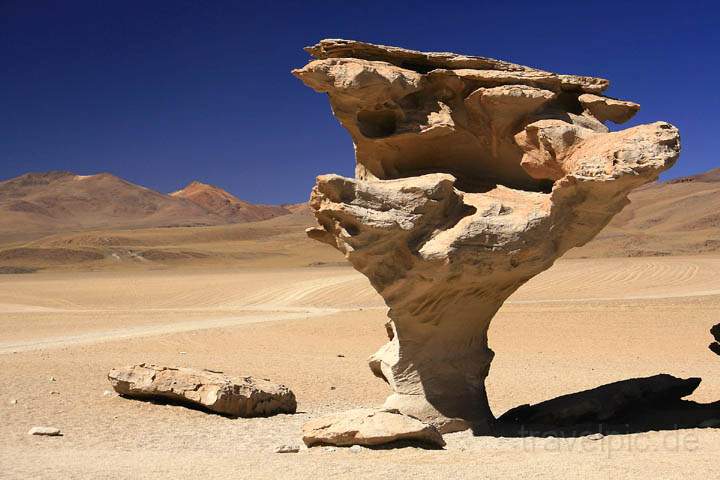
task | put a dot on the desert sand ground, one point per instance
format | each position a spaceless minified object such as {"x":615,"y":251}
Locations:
{"x":583,"y":323}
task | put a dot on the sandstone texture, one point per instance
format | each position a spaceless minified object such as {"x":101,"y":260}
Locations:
{"x":715,"y":346}
{"x":369,"y":427}
{"x":472,"y":176}
{"x":206,"y":389}
{"x":603,"y":403}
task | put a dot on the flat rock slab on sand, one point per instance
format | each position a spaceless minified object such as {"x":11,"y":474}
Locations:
{"x":603,"y":403}
{"x":369,"y":427}
{"x":214,"y":391}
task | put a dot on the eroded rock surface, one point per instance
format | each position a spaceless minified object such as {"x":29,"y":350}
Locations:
{"x":715,"y":346}
{"x":472,"y":176}
{"x":369,"y":427}
{"x":603,"y":403}
{"x":206,"y":389}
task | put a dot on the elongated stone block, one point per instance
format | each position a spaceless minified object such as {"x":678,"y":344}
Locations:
{"x":206,"y":389}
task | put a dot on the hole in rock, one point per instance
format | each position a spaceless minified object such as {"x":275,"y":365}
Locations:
{"x":478,"y":162}
{"x":417,"y":66}
{"x":474,"y":184}
{"x":545,"y":185}
{"x":351,"y":229}
{"x":568,"y":102}
{"x":377,"y":124}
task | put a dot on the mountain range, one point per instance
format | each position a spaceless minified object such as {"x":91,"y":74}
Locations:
{"x":227,"y":206}
{"x":43,"y":203}
{"x":676,"y":217}
{"x":62,"y":220}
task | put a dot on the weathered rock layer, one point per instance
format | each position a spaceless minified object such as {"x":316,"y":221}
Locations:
{"x":206,"y":389}
{"x":472,"y":176}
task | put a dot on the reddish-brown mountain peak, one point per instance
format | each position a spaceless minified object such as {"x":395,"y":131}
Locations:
{"x":195,"y":187}
{"x":220,"y":202}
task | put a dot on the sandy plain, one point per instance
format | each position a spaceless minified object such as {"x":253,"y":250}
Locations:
{"x":583,"y":323}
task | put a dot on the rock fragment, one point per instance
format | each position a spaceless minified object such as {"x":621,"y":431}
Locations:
{"x":287,"y":449}
{"x":605,"y":108}
{"x":206,"y":389}
{"x":45,"y":431}
{"x":369,"y":427}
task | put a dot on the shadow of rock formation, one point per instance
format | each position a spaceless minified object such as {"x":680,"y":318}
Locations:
{"x":628,"y":406}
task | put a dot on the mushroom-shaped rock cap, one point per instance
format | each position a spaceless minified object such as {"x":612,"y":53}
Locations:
{"x":424,"y":62}
{"x":409,"y":111}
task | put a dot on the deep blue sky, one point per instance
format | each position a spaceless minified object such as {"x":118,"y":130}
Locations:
{"x":164,"y":92}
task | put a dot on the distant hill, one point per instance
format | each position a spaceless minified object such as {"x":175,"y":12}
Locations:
{"x":55,"y":201}
{"x":297,"y":207}
{"x":277,"y":242}
{"x":677,"y":217}
{"x":37,"y":204}
{"x":226,"y":206}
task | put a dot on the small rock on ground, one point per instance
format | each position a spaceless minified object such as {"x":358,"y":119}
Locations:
{"x":596,"y":436}
{"x":45,"y":431}
{"x":356,"y":449}
{"x":287,"y":449}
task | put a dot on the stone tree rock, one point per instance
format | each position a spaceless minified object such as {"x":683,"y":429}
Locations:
{"x":206,"y":389}
{"x":472,"y":176}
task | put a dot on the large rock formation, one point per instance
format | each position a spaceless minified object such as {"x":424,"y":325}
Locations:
{"x":473,"y":175}
{"x":205,"y":389}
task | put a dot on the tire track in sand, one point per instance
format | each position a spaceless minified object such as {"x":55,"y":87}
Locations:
{"x":154,"y":330}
